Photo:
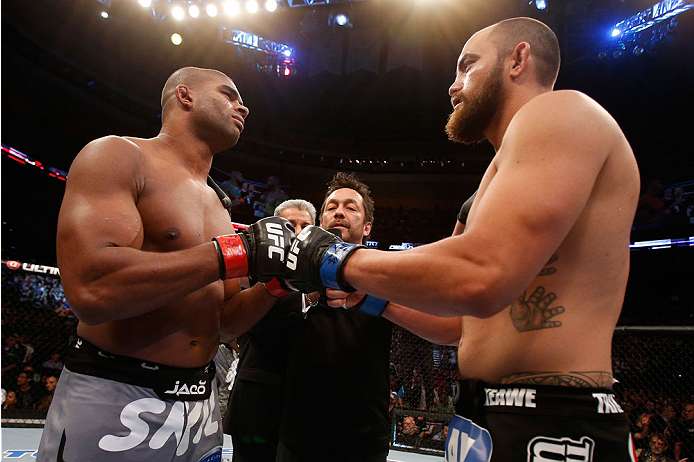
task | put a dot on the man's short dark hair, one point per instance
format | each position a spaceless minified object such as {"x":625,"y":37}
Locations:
{"x":351,"y":181}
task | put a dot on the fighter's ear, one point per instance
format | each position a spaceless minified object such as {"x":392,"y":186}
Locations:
{"x":184,"y":96}
{"x":519,"y":59}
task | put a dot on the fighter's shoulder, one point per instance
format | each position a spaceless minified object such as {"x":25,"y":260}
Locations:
{"x":565,"y":113}
{"x":111,"y":145}
{"x":108,"y":156}
{"x":565,"y":107}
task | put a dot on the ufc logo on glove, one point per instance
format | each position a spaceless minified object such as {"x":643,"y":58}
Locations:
{"x":276,"y":235}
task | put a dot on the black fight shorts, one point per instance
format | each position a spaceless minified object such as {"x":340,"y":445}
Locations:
{"x":533,"y":423}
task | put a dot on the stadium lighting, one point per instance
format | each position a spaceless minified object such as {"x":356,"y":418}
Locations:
{"x":540,"y":4}
{"x":194,"y":11}
{"x":271,"y":5}
{"x":341,"y":19}
{"x":178,"y":13}
{"x":231,"y":7}
{"x":645,"y":31}
{"x":145,"y":3}
{"x":650,"y":17}
{"x":252,"y":6}
{"x":176,"y":38}
{"x":287,"y":52}
{"x":211,"y":10}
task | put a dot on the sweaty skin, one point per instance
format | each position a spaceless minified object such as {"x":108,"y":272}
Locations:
{"x":134,"y":234}
{"x":539,"y":274}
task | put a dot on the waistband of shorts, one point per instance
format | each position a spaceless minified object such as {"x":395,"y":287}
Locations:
{"x":544,"y":399}
{"x":86,"y":358}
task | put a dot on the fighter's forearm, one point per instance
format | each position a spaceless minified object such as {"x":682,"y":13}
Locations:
{"x":245,"y":309}
{"x":434,"y":279}
{"x":439,"y":330}
{"x":122,"y":282}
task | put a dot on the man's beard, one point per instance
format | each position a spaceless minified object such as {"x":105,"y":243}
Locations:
{"x":468,"y":122}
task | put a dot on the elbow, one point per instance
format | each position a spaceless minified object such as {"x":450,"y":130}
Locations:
{"x":88,"y":306}
{"x":485,"y":296}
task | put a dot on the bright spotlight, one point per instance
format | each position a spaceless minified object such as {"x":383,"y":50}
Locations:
{"x":252,"y":6}
{"x":287,"y":52}
{"x":146,"y":3}
{"x":176,"y":38}
{"x":178,"y":13}
{"x":194,"y":11}
{"x":616,"y":32}
{"x":211,"y":10}
{"x":287,"y":71}
{"x":104,"y":14}
{"x":540,"y":4}
{"x":341,"y":19}
{"x":231,"y":7}
{"x":271,"y":5}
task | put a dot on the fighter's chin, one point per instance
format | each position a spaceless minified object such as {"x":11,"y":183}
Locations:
{"x":231,"y":139}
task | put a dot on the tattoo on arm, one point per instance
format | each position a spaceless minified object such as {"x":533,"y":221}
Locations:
{"x":534,"y":312}
{"x":595,"y":379}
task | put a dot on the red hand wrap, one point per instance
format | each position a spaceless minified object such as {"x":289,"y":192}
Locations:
{"x":233,"y":253}
{"x":273,"y":286}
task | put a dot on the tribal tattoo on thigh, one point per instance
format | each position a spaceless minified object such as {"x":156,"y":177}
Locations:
{"x":534,"y":312}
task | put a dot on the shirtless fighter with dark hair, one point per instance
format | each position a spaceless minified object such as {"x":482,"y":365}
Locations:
{"x":149,"y":261}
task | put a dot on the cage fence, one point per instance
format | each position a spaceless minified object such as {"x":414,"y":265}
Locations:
{"x":653,"y":366}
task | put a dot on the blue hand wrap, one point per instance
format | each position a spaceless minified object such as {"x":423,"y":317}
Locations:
{"x":373,"y":306}
{"x":330,"y":263}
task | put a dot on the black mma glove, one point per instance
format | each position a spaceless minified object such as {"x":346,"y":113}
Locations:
{"x":316,"y":259}
{"x":465,"y":209}
{"x":258,"y":251}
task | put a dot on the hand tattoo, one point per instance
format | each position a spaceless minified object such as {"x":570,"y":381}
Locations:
{"x":547,"y":270}
{"x":534,"y":313}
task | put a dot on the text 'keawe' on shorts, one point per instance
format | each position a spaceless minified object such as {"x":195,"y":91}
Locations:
{"x":532,"y":423}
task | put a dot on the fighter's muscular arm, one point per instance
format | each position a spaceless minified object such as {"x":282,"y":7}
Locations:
{"x":244,"y":309}
{"x":545,"y":171}
{"x":436,"y":329}
{"x":105,"y":274}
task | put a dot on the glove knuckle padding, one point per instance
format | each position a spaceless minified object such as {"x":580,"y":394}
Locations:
{"x":305,"y":255}
{"x":269,"y":240}
{"x":315,"y":260}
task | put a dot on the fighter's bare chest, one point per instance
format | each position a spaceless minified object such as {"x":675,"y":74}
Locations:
{"x":181,"y":216}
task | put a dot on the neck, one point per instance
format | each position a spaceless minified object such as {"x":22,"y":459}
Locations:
{"x":189,"y":151}
{"x":515,"y":98}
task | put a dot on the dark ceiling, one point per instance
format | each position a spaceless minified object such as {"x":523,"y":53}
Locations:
{"x":378,"y":89}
